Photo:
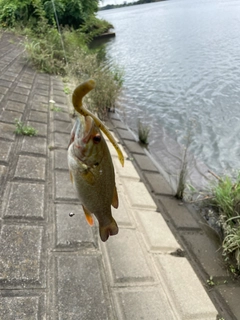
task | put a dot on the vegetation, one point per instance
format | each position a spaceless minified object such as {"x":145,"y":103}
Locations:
{"x":59,"y":44}
{"x":73,"y":13}
{"x":143,"y":133}
{"x":22,"y":129}
{"x":223,"y":199}
{"x":125,"y":4}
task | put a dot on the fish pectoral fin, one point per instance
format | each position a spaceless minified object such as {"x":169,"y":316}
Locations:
{"x":115,"y":198}
{"x":88,"y":216}
{"x":88,"y":176}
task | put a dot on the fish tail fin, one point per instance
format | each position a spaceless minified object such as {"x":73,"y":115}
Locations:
{"x":109,"y":230}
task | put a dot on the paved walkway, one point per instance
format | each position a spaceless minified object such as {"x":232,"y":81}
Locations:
{"x":52,"y":264}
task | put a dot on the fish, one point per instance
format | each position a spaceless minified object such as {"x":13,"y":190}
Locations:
{"x":91,"y":169}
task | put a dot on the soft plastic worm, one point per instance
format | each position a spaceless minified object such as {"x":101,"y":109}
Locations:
{"x":77,"y":97}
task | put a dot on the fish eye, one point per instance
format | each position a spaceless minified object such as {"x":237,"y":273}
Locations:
{"x":97,"y":138}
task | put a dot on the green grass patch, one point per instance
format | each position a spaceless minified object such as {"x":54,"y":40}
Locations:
{"x":143,"y":132}
{"x":223,"y":198}
{"x":22,"y":129}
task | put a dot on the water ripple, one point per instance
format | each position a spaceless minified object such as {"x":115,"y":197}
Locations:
{"x":182,"y":73}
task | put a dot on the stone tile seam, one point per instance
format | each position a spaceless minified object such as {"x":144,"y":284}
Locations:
{"x":33,"y":154}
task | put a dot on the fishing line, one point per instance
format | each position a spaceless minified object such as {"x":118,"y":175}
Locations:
{"x":59,"y":31}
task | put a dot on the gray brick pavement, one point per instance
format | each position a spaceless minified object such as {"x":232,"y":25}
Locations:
{"x":52,"y":264}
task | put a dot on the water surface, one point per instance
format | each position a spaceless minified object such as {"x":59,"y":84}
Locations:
{"x":182,"y":74}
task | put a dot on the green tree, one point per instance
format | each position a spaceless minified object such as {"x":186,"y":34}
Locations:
{"x":71,"y":13}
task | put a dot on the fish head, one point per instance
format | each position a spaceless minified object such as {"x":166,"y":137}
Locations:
{"x":88,"y":142}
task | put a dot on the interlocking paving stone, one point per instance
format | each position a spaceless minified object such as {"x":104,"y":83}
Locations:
{"x":40,"y":127}
{"x":64,"y":187}
{"x":60,"y":159}
{"x":15,"y":106}
{"x":8,"y":78}
{"x":16,"y":308}
{"x":62,"y":116}
{"x":3,"y":90}
{"x":38,"y":116}
{"x":5,"y":149}
{"x":39,"y":106}
{"x":207,"y":252}
{"x":72,"y":231}
{"x":233,"y":303}
{"x":118,"y":124}
{"x":80,"y":291}
{"x":145,"y":162}
{"x":122,"y":213}
{"x":158,"y":183}
{"x":61,"y":126}
{"x":128,"y":171}
{"x":58,"y":98}
{"x":145,"y":305}
{"x":24,"y":200}
{"x":27,"y":79}
{"x":5,"y":83}
{"x":134,"y":147}
{"x":140,"y":198}
{"x":127,"y":259}
{"x":61,"y":140}
{"x":60,"y":93}
{"x":30,"y":168}
{"x":43,"y":90}
{"x":39,"y":98}
{"x":25,"y":85}
{"x":3,"y":171}
{"x":20,"y":263}
{"x":38,"y":145}
{"x":125,"y":134}
{"x":18,"y":97}
{"x":180,"y":215}
{"x":156,"y":231}
{"x":10,"y":116}
{"x":22,"y":90}
{"x":188,"y":294}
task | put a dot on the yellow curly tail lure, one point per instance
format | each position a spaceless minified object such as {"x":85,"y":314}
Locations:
{"x":77,"y":97}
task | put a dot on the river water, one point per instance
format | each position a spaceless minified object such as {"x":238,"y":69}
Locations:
{"x":182,"y":74}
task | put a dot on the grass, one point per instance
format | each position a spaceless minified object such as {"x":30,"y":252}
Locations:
{"x":182,"y":178}
{"x":77,"y":63}
{"x":143,"y":133}
{"x":224,"y":198}
{"x":56,"y":109}
{"x":22,"y":129}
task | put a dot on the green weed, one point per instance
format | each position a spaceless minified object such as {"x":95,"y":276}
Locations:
{"x":211,"y":282}
{"x":22,"y":129}
{"x":143,"y":132}
{"x":67,"y":90}
{"x":224,"y":198}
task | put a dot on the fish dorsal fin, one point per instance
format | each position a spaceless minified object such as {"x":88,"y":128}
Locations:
{"x":88,"y":216}
{"x":115,"y":198}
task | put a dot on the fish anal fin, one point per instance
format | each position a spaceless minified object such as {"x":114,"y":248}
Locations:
{"x":115,"y":198}
{"x":88,"y":216}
